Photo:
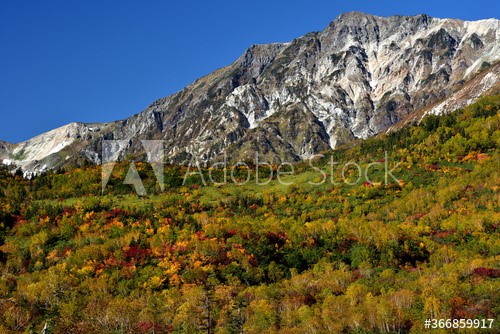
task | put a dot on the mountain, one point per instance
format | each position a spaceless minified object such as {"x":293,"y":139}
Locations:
{"x":358,"y":77}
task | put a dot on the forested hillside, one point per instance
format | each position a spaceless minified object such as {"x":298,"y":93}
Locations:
{"x":323,"y":253}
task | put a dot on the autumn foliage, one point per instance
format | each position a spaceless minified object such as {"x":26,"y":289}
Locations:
{"x":299,"y":258}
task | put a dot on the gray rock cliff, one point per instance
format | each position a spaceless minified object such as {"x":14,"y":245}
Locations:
{"x":358,"y":77}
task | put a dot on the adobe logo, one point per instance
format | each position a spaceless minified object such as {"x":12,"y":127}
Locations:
{"x":113,"y":150}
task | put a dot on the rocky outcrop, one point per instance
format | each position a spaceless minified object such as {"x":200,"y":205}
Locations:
{"x":288,"y":101}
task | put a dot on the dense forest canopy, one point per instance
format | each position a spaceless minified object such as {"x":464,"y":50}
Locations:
{"x":335,"y":257}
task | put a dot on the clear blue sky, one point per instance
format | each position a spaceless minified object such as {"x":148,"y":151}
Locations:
{"x":74,"y":60}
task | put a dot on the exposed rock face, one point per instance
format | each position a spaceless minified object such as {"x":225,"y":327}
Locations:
{"x":482,"y":83}
{"x":288,"y":101}
{"x":487,"y":82}
{"x":53,"y":148}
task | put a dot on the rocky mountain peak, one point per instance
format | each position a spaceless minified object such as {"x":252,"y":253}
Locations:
{"x":359,"y":76}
